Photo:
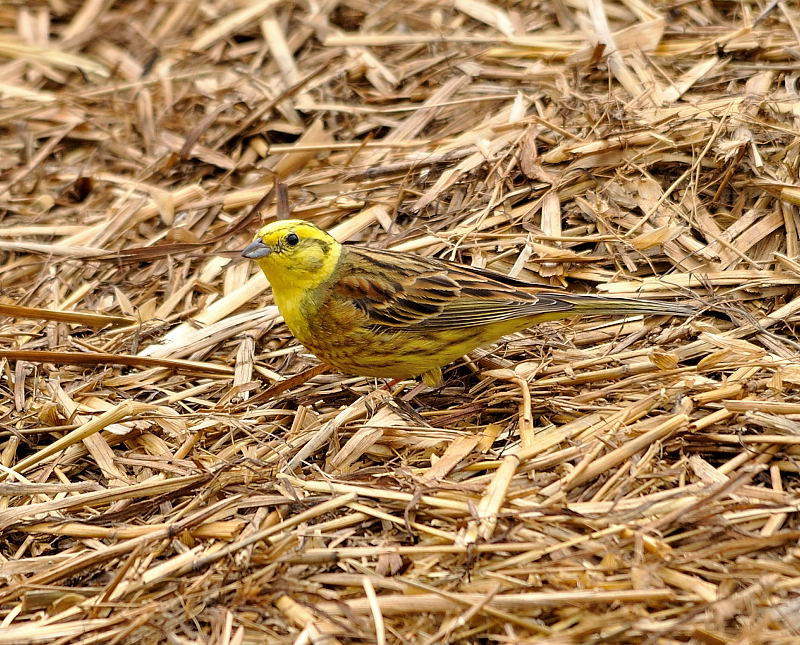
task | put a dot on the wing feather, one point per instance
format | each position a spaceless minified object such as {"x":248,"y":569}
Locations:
{"x":414,"y":293}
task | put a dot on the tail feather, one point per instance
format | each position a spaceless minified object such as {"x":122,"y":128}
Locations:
{"x":592,"y":304}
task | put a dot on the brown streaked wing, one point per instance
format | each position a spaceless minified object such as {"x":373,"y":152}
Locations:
{"x":412,"y":292}
{"x":392,"y":289}
{"x":473,"y":312}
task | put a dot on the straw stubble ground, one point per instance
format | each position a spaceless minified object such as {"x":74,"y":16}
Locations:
{"x":176,"y":469}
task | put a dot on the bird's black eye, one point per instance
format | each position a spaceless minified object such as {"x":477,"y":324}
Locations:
{"x":292,"y":239}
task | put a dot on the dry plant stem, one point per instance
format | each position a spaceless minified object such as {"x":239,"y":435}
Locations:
{"x":269,"y":532}
{"x":491,"y":502}
{"x":357,"y":409}
{"x":317,"y":630}
{"x":393,"y":605}
{"x":120,"y":412}
{"x":98,"y":358}
{"x":11,"y":516}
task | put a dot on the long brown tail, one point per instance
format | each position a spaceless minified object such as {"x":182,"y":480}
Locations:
{"x":593,"y":304}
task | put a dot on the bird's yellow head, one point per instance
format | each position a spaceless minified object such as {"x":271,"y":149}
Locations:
{"x":294,"y":254}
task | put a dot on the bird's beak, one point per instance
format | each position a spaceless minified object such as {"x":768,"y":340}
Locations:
{"x":256,"y":249}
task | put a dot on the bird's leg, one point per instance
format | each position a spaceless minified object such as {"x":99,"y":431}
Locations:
{"x":390,"y":384}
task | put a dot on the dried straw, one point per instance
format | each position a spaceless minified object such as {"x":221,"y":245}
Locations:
{"x":176,"y":468}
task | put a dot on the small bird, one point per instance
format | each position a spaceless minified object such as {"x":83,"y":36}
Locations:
{"x":381,"y":313}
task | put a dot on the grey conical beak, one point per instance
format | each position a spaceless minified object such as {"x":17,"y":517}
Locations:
{"x":256,"y":249}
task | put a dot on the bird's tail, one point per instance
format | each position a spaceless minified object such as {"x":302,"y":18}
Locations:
{"x":595,"y":304}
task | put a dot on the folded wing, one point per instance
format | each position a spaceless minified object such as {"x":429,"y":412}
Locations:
{"x":410,"y":292}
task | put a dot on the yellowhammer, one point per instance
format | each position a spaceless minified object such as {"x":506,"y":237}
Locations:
{"x":384,"y":313}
